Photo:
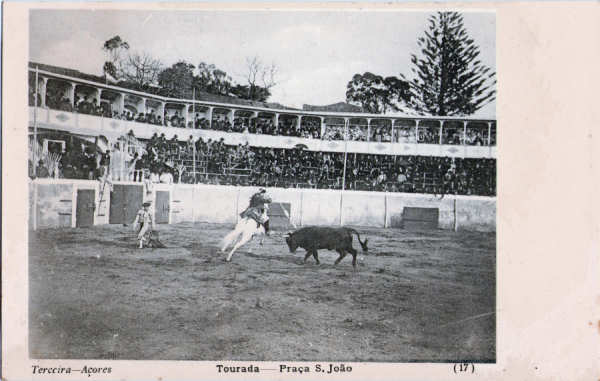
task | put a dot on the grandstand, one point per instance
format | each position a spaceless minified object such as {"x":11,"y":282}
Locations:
{"x":81,"y":125}
{"x":425,"y":150}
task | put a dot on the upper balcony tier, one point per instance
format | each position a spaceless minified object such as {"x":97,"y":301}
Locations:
{"x":90,"y":108}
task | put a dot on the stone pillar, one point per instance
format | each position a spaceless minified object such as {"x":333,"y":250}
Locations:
{"x":299,"y":121}
{"x":98,"y":96}
{"x":441,"y":131}
{"x":276,"y":120}
{"x":464,"y":133}
{"x":489,"y":142}
{"x":368,"y":129}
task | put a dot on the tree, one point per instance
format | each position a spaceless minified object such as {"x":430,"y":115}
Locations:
{"x":176,"y":81}
{"x":212,"y":80}
{"x":261,"y":78}
{"x":376,"y":94}
{"x":114,"y":48}
{"x":449,"y":79}
{"x":140,"y":69}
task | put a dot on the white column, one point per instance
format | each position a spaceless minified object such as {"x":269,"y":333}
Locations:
{"x":464,"y":133}
{"x":299,"y":121}
{"x":323,"y":126}
{"x":121,"y":103}
{"x":277,"y":120}
{"x":210,"y":115}
{"x":489,"y":134}
{"x":441,"y":127}
{"x":368,"y":129}
{"x":231,"y":116}
{"x":72,"y":94}
{"x":186,"y":111}
{"x":346,"y":127}
{"x":98,"y":96}
{"x":140,"y":106}
{"x":43,"y":84}
{"x":161,"y":112}
{"x":417,"y":130}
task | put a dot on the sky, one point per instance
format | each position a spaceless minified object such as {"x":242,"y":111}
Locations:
{"x":316,"y":52}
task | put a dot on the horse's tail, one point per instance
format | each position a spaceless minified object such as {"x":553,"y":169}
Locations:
{"x":363,"y":244}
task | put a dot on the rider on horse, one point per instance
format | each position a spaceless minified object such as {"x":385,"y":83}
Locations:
{"x":257,"y":210}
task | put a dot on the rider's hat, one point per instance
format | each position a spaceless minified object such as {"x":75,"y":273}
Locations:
{"x":262,"y":190}
{"x":147,"y":203}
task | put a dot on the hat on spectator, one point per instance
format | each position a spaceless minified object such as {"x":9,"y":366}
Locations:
{"x":147,"y":203}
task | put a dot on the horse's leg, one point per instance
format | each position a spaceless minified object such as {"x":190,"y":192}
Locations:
{"x":245,"y":238}
{"x":308,"y":254}
{"x":261,"y":231}
{"x":229,"y":238}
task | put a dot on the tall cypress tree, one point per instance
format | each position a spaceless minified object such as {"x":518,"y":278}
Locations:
{"x":448,"y":79}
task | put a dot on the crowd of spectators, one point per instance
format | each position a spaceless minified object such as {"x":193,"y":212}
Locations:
{"x":264,"y":126}
{"x":381,"y":133}
{"x":219,"y":163}
{"x":57,"y":98}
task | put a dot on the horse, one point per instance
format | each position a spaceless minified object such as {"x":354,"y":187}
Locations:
{"x":244,"y":231}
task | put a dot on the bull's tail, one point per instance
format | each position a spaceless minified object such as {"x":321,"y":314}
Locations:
{"x":363,"y":244}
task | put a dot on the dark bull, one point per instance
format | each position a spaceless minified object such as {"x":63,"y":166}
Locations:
{"x":313,"y":238}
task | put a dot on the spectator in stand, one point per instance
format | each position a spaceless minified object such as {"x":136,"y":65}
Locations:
{"x":84,"y":107}
{"x":138,"y":170}
{"x":96,"y":108}
{"x":151,"y":117}
{"x":104,"y":163}
{"x":131,"y":166}
{"x":190,"y":144}
{"x":166,"y":177}
{"x":154,"y":177}
{"x":41,"y":170}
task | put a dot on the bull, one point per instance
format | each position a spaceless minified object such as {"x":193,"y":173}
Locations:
{"x":313,"y":238}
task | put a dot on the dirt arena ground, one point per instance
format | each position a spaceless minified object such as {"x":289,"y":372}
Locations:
{"x":416,"y":296}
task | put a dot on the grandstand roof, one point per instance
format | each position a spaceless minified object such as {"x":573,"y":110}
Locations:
{"x":336,"y":107}
{"x":340,"y":109}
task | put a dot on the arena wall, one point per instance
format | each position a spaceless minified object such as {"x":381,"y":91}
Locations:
{"x":56,"y":202}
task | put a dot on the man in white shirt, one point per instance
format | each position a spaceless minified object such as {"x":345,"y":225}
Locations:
{"x":166,"y":178}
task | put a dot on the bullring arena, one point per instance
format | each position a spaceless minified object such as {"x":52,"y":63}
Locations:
{"x":422,"y":190}
{"x":417,"y":295}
